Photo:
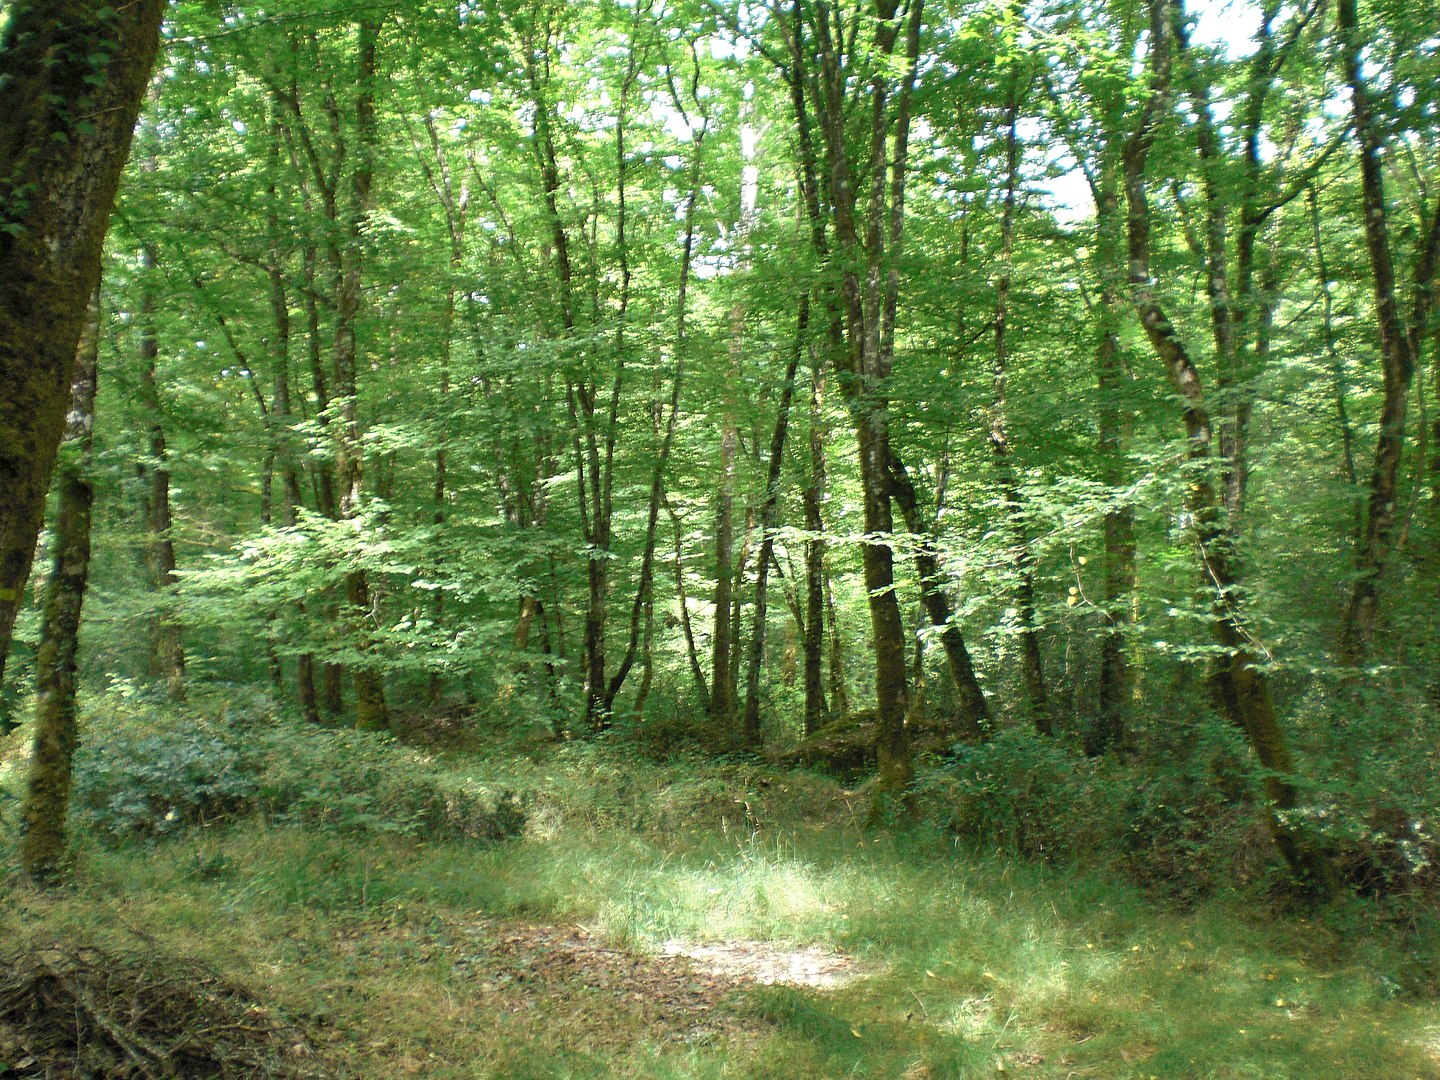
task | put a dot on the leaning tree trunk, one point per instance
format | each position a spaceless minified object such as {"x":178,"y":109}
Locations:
{"x":72,"y":79}
{"x":973,"y":711}
{"x":47,"y":798}
{"x":1244,"y":687}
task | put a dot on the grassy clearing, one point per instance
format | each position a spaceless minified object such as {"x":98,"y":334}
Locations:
{"x":396,"y":950}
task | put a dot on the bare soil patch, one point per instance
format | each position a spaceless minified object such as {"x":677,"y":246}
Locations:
{"x":524,"y":967}
{"x":685,"y":990}
{"x":768,"y":965}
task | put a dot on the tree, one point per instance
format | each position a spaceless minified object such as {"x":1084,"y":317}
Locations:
{"x":72,"y":78}
{"x":47,"y":794}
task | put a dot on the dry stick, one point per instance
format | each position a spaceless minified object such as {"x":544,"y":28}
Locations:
{"x":137,"y":1050}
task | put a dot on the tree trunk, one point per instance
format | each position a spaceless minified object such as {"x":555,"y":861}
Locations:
{"x":769,"y":521}
{"x":868,"y":251}
{"x":1245,"y":691}
{"x":47,"y":797}
{"x":1117,"y":681}
{"x":371,"y":711}
{"x":817,"y":712}
{"x":722,"y":696}
{"x":281,"y":411}
{"x":645,"y":590}
{"x":168,"y":656}
{"x":692,"y":654}
{"x":1399,"y":348}
{"x":973,"y":714}
{"x":72,"y":78}
{"x":1032,"y":674}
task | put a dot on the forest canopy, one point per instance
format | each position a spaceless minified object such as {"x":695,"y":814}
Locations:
{"x":874,"y":385}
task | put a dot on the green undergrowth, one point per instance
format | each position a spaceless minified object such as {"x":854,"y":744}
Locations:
{"x":970,"y":965}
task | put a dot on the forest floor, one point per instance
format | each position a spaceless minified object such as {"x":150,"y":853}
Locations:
{"x":676,"y":921}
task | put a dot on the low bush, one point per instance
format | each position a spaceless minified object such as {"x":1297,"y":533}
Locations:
{"x":142,"y":773}
{"x":1181,"y":826}
{"x":1018,"y":792}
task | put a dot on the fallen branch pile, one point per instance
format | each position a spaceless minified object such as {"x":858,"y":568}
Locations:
{"x":69,"y":1011}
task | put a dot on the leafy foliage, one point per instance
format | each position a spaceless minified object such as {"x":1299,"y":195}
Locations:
{"x":145,"y":774}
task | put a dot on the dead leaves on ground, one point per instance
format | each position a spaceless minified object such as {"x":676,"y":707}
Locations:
{"x":685,"y":991}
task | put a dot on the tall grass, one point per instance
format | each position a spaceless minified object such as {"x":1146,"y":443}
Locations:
{"x":974,"y":966}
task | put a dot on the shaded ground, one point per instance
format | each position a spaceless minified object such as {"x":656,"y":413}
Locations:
{"x":68,"y":1011}
{"x":685,"y":991}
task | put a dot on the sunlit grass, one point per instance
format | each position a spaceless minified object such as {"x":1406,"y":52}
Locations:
{"x":974,"y":967}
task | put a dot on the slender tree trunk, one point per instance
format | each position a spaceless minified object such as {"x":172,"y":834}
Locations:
{"x":47,"y":796}
{"x":737,"y":603}
{"x":769,"y":522}
{"x":817,"y":712}
{"x":1117,"y":679}
{"x":371,"y":711}
{"x":867,"y":248}
{"x":973,"y":713}
{"x":1032,"y":674}
{"x":281,"y":410}
{"x":722,"y":698}
{"x":644,"y":593}
{"x":168,"y":655}
{"x":692,"y":654}
{"x":1245,"y":692}
{"x":1337,"y":367}
{"x":456,"y":205}
{"x":72,"y":78}
{"x":839,"y":687}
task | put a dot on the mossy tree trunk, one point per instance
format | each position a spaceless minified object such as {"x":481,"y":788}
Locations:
{"x":72,"y":78}
{"x":42,"y":816}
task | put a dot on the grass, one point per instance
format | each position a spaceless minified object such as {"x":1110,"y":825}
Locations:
{"x":978,"y":967}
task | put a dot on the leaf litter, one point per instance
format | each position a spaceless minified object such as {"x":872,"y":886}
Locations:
{"x":679,"y":991}
{"x":685,"y":990}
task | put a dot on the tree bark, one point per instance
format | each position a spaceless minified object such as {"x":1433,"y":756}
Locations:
{"x":72,"y":78}
{"x":643,"y":605}
{"x":1032,"y":674}
{"x":973,"y":714}
{"x":371,"y":711}
{"x":47,"y":796}
{"x":769,"y":522}
{"x":1116,"y":420}
{"x":1244,"y":688}
{"x":722,"y":696}
{"x":1399,"y":347}
{"x":692,"y":654}
{"x":168,"y":659}
{"x":817,"y":711}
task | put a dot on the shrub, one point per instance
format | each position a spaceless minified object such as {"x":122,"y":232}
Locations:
{"x":1020,"y":792}
{"x":1179,"y":823}
{"x":142,"y":774}
{"x":148,"y":785}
